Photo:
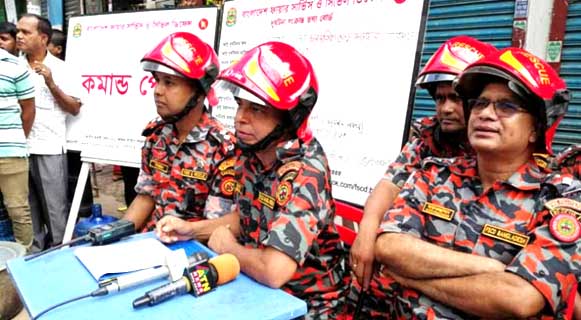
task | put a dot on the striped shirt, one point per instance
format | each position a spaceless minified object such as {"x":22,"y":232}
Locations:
{"x":15,"y":84}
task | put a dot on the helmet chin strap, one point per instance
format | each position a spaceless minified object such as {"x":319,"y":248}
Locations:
{"x":274,"y":135}
{"x":192,"y":103}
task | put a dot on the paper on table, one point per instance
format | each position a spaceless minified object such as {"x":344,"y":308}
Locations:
{"x":122,"y":257}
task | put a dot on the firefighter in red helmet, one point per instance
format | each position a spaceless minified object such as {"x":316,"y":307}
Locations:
{"x":442,"y":135}
{"x":464,"y":229}
{"x":286,"y":234}
{"x":188,"y":156}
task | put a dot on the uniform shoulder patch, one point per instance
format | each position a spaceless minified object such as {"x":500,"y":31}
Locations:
{"x":228,"y":186}
{"x":293,"y":166}
{"x":226,"y":168}
{"x":152,"y":126}
{"x":564,"y":206}
{"x":283,"y":193}
{"x":565,"y":228}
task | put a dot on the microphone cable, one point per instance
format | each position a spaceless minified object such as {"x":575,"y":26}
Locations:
{"x":95,"y":293}
{"x":73,"y":241}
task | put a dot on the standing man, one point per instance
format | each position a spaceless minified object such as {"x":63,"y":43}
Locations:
{"x":188,"y":155}
{"x":443,"y":135}
{"x":8,"y":37}
{"x":16,"y":117}
{"x":56,"y":96}
{"x":286,"y":211}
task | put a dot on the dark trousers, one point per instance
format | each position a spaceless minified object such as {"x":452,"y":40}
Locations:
{"x":130,"y":176}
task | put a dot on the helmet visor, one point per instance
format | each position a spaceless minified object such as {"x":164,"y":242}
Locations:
{"x":239,"y":92}
{"x":431,"y":78}
{"x":151,"y":66}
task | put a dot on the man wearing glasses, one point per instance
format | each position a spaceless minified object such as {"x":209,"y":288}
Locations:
{"x":478,"y":236}
{"x":443,"y":135}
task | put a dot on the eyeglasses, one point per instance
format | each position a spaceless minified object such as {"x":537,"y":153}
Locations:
{"x":441,"y":98}
{"x":502,"y":108}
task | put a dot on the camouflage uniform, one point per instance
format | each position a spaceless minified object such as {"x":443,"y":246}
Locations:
{"x":289,"y":207}
{"x":188,"y":180}
{"x":569,"y":161}
{"x":451,"y":190}
{"x":426,"y":140}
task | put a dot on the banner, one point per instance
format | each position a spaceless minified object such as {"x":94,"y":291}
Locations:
{"x":105,"y":50}
{"x":363,"y":52}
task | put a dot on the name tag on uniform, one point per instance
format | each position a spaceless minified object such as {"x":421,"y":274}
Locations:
{"x":266,"y":200}
{"x":158,"y":165}
{"x":518,"y":239}
{"x":200,"y":175}
{"x":438,"y":211}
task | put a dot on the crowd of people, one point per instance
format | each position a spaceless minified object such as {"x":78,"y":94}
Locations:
{"x":37,"y":97}
{"x":476,"y":218}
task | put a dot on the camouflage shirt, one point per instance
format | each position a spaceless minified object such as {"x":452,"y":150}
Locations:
{"x":289,"y":207}
{"x":426,"y":140}
{"x":569,"y":161}
{"x":445,"y":204}
{"x":187,"y":180}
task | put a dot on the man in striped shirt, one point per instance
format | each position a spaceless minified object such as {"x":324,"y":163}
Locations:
{"x":17,"y":110}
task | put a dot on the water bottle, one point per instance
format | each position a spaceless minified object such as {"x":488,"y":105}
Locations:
{"x":6,"y":233}
{"x":96,"y":218}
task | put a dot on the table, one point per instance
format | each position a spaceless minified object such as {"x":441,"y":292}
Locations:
{"x":59,"y":276}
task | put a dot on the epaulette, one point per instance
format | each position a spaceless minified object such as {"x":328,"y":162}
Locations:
{"x":543,"y":160}
{"x":439,"y":162}
{"x":224,"y":137}
{"x":152,"y":126}
{"x":565,"y":155}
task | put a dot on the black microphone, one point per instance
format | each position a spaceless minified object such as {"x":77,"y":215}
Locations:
{"x":201,"y":277}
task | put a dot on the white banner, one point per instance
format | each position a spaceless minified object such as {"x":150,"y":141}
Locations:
{"x":363,"y":52}
{"x":105,"y":50}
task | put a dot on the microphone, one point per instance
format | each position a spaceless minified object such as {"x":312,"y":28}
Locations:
{"x":199,"y":278}
{"x":176,"y":263}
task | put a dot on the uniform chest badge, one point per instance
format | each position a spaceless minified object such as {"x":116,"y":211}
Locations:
{"x":158,"y":165}
{"x":512,"y":237}
{"x":438,"y":211}
{"x":228,"y":186}
{"x":565,"y":227}
{"x":283,"y":193}
{"x":200,"y":175}
{"x":266,"y":200}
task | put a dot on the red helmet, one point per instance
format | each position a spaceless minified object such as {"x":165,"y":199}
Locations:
{"x":279,"y":76}
{"x":185,"y":55}
{"x":529,"y":77}
{"x":451,"y":59}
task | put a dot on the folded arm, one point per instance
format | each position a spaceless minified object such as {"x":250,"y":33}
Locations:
{"x":418,"y":259}
{"x":489,"y":295}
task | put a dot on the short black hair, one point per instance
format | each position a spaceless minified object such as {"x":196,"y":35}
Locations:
{"x":8,"y":27}
{"x":44,"y":25}
{"x":58,"y":38}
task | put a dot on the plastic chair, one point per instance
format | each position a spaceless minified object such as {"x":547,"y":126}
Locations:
{"x":351,"y":213}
